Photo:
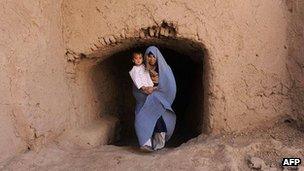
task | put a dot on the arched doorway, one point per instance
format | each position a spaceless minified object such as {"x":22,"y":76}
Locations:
{"x":113,"y":83}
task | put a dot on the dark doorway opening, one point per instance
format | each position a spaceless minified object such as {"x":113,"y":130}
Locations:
{"x":112,"y":77}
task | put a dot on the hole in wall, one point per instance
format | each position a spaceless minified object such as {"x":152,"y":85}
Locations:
{"x":114,"y":87}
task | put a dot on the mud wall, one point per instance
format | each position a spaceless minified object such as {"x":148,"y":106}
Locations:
{"x":246,"y":42}
{"x":34,"y":103}
{"x":295,"y":59}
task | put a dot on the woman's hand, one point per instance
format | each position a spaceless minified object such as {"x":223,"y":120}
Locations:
{"x":154,"y":79}
{"x":145,"y":90}
{"x":148,"y":90}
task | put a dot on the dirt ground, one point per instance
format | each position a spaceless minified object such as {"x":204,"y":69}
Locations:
{"x":213,"y":152}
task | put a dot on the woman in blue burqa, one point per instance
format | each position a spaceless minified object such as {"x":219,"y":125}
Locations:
{"x":154,"y":118}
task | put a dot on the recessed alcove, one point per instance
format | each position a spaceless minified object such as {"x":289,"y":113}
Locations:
{"x":114,"y":88}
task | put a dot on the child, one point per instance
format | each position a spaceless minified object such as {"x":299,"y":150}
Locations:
{"x":142,"y":80}
{"x":140,"y":76}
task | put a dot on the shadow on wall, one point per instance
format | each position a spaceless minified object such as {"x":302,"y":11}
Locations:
{"x":114,"y":88}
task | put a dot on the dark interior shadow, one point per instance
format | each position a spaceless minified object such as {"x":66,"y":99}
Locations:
{"x":113,"y":85}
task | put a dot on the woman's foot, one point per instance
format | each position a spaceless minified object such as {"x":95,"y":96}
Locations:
{"x":159,"y":141}
{"x":147,"y":148}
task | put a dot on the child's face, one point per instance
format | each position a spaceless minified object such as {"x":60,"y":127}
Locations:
{"x":137,"y":59}
{"x":151,"y":59}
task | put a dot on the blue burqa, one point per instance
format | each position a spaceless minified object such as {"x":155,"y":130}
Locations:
{"x":149,"y":108}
